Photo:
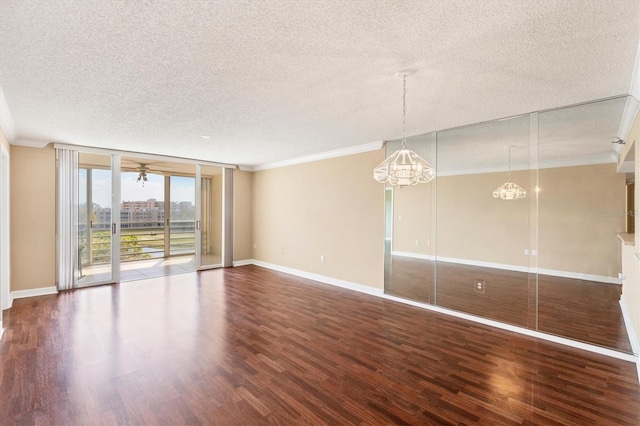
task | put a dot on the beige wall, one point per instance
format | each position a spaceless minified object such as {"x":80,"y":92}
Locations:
{"x":575,"y":232}
{"x":242,"y":212}
{"x":411,"y":227}
{"x":33,"y":202}
{"x":330,"y":207}
{"x":473,"y":225}
{"x":581,"y":212}
{"x":470,"y":224}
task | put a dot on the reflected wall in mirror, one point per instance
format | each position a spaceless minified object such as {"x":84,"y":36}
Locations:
{"x":483,"y":242}
{"x":581,"y":211}
{"x":549,"y":261}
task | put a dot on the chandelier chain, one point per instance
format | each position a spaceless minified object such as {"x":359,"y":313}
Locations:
{"x":404,"y":111}
{"x":509,"y":170}
{"x":404,"y":167}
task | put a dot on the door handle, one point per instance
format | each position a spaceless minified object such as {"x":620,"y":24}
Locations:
{"x":113,"y":228}
{"x":197,"y":224}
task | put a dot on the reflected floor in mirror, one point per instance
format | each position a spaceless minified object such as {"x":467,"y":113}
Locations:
{"x":252,"y":346}
{"x":582,"y":310}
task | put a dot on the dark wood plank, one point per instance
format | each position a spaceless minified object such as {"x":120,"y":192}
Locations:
{"x":578,"y":309}
{"x":252,"y":346}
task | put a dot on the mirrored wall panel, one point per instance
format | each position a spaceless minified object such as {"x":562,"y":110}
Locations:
{"x":409,"y":247}
{"x":581,"y":212}
{"x":483,"y":215}
{"x":523,"y":224}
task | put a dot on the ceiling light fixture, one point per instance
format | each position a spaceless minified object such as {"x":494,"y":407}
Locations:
{"x":142,"y":175}
{"x":205,"y":137}
{"x":509,"y":190}
{"x":404,"y":167}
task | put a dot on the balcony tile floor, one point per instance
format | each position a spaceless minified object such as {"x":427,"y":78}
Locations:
{"x":140,"y":269}
{"x":148,"y":268}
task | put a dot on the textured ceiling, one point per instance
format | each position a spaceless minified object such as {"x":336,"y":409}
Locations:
{"x":273,"y":80}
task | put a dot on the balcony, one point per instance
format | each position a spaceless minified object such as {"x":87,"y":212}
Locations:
{"x":138,"y":240}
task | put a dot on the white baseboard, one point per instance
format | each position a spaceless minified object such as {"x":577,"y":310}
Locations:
{"x":321,"y":278}
{"x":517,"y":268}
{"x":503,"y":326}
{"x":242,"y":262}
{"x":482,"y":264}
{"x":579,"y":276}
{"x":19,"y":294}
{"x":411,"y":255}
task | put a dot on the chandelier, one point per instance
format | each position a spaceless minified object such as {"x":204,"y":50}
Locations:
{"x":509,"y":190}
{"x":404,"y":167}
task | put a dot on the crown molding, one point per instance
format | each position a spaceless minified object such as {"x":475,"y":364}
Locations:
{"x":31,"y":142}
{"x":342,"y":152}
{"x":634,"y":88}
{"x":572,"y":162}
{"x":6,"y":122}
{"x":631,"y":108}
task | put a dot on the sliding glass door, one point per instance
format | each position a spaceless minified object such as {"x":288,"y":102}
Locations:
{"x":152,"y":217}
{"x":142,"y":216}
{"x":182,"y":213}
{"x":98,"y":232}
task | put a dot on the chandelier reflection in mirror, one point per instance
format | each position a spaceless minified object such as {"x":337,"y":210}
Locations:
{"x":509,"y":190}
{"x":404,"y":167}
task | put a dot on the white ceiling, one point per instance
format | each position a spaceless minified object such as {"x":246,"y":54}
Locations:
{"x":273,"y":80}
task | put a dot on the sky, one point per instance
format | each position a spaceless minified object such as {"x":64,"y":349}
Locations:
{"x":182,"y":188}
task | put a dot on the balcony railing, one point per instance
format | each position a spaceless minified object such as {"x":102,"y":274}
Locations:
{"x":138,"y":240}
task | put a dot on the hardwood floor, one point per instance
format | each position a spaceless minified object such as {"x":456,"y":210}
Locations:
{"x":252,"y":346}
{"x":582,"y":310}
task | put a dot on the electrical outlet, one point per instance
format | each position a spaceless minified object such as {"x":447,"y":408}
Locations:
{"x":479,"y":285}
{"x":526,"y":252}
{"x":281,"y":251}
{"x":322,"y":258}
{"x":417,"y":242}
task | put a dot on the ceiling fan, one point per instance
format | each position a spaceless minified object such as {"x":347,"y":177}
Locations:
{"x":142,"y":173}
